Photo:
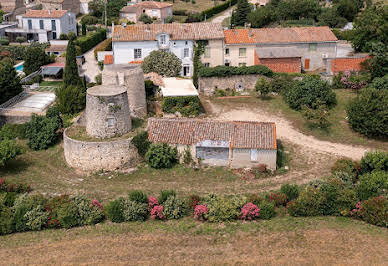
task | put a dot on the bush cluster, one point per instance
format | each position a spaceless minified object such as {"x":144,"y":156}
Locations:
{"x":225,"y":71}
{"x":92,"y":39}
{"x":185,"y":105}
{"x":161,"y":156}
{"x":141,"y":142}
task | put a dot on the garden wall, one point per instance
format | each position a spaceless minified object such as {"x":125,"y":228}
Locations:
{"x":95,"y":156}
{"x":208,"y":85}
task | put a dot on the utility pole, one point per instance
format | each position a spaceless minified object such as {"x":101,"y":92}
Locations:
{"x":105,"y":2}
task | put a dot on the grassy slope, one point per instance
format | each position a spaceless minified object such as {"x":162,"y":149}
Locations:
{"x":283,"y":240}
{"x":339,"y":130}
{"x":199,"y":5}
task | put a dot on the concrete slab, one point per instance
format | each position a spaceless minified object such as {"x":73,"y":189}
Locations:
{"x":36,"y":102}
{"x":178,"y":87}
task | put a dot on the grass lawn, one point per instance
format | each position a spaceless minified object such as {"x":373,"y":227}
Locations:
{"x":282,"y":240}
{"x":339,"y":130}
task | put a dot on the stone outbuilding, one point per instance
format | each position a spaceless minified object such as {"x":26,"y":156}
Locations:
{"x":236,"y":144}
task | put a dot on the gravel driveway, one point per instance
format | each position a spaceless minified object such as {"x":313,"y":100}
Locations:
{"x":90,"y":68}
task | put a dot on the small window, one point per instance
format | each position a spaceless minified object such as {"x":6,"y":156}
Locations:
{"x":41,"y":24}
{"x":186,"y":52}
{"x":207,"y":52}
{"x":227,"y":51}
{"x":163,"y":39}
{"x":174,"y":43}
{"x":30,"y":24}
{"x":313,"y":46}
{"x":242,"y":52}
{"x":242,"y":64}
{"x":53,"y":25}
{"x":111,"y":122}
{"x":186,"y":42}
{"x":207,"y":64}
{"x":137,"y":53}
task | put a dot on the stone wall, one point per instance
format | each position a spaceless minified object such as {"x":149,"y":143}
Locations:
{"x":208,"y":85}
{"x":95,"y":156}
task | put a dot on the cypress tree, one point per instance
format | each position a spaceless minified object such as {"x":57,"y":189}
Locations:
{"x":240,"y":16}
{"x":83,"y":29}
{"x":70,"y":75}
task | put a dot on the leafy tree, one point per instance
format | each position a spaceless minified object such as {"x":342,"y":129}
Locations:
{"x":83,"y":29}
{"x":368,"y":113}
{"x":8,"y":151}
{"x":240,"y":16}
{"x":41,"y":132}
{"x":97,"y":7}
{"x":113,"y":7}
{"x":1,"y":15}
{"x":145,"y":19}
{"x":34,"y":58}
{"x":9,"y":81}
{"x":370,"y":27}
{"x":296,"y":9}
{"x":261,"y":17}
{"x":329,"y":17}
{"x":161,"y":156}
{"x":380,"y":83}
{"x":63,"y":36}
{"x":71,"y":99}
{"x":347,"y":9}
{"x":263,"y":86}
{"x":162,"y":62}
{"x":70,"y":75}
{"x":378,"y":63}
{"x":141,"y":142}
{"x":310,"y":92}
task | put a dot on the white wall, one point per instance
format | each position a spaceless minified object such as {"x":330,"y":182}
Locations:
{"x":84,"y":8}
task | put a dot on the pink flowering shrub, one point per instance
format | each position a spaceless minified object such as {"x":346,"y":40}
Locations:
{"x":96,"y":203}
{"x":200,"y":212}
{"x":152,"y":202}
{"x":249,"y":212}
{"x":353,"y":81}
{"x":357,"y":210}
{"x":157,"y":212}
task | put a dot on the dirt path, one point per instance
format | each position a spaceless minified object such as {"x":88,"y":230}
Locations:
{"x":227,"y":13}
{"x":286,"y":131}
{"x":90,"y":68}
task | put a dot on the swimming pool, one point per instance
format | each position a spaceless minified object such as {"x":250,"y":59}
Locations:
{"x":19,"y":67}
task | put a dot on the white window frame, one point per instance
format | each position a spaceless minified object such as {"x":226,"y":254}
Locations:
{"x":137,"y":53}
{"x":244,"y":54}
{"x":186,"y":52}
{"x":163,"y":39}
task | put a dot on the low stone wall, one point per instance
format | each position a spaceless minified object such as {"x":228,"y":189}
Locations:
{"x":95,"y":156}
{"x":208,"y":85}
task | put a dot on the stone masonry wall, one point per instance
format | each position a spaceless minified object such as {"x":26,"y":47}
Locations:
{"x":95,"y":156}
{"x":208,"y":85}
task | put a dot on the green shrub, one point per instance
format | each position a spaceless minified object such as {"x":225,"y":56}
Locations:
{"x":63,"y":36}
{"x":88,"y":213}
{"x":41,"y":132}
{"x":114,"y":210}
{"x":138,"y":196}
{"x":6,"y":220}
{"x":99,"y":79}
{"x":8,"y":150}
{"x":309,"y":92}
{"x":53,"y":206}
{"x":309,"y":203}
{"x":8,"y":198}
{"x":141,"y":142}
{"x":263,"y":86}
{"x":225,"y":71}
{"x":380,"y":83}
{"x":186,"y":105}
{"x":89,"y":20}
{"x":68,"y":215}
{"x":145,"y":19}
{"x":267,"y":210}
{"x":222,"y":209}
{"x":12,"y":131}
{"x":374,"y":161}
{"x":280,"y":83}
{"x":161,"y":156}
{"x":174,"y":208}
{"x":134,"y":211}
{"x":337,"y":83}
{"x":368,"y":113}
{"x":291,"y":191}
{"x":346,"y":200}
{"x":20,"y":39}
{"x":90,"y":40}
{"x":36,"y":218}
{"x":4,"y":41}
{"x":165,"y":194}
{"x":24,"y":204}
{"x":71,"y":99}
{"x":162,"y":62}
{"x":150,"y":88}
{"x":375,"y":211}
{"x":208,"y":13}
{"x":372,"y":185}
{"x":347,"y":166}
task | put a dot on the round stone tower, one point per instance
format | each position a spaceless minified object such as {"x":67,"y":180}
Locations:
{"x":132,"y":77}
{"x":107,"y":111}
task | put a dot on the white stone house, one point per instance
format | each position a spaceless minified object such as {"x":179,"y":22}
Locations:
{"x":131,"y":44}
{"x":44,"y":25}
{"x":156,"y":10}
{"x":236,"y":144}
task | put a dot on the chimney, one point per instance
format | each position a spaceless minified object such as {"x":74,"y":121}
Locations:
{"x":49,"y":12}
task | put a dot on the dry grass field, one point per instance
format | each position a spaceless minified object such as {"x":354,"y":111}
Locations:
{"x":199,"y":5}
{"x":283,"y":240}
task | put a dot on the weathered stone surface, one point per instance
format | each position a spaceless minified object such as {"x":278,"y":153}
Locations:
{"x":95,"y":156}
{"x":107,"y":111}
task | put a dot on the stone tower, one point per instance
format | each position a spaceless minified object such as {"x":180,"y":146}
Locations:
{"x":132,"y":77}
{"x":107,"y":111}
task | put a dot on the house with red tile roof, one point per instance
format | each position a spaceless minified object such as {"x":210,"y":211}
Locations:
{"x":235,"y":144}
{"x":156,"y":10}
{"x":281,"y":49}
{"x":43,"y":25}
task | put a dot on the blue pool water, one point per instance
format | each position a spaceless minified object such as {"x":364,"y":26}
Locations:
{"x":19,"y":67}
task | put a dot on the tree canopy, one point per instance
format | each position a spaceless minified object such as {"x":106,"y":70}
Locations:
{"x":9,"y":81}
{"x":162,"y":62}
{"x":240,"y":16}
{"x":34,"y":58}
{"x":70,"y":75}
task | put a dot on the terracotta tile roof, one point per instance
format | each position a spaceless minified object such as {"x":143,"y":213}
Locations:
{"x":56,"y":64}
{"x":56,"y":48}
{"x":154,"y":4}
{"x":280,"y":35}
{"x":177,"y":31}
{"x":129,"y":9}
{"x":108,"y":59}
{"x":136,"y":62}
{"x":241,"y":134}
{"x":45,"y":13}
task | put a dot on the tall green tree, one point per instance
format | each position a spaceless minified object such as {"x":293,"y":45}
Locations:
{"x":240,"y":16}
{"x":83,"y":29}
{"x":9,"y":81}
{"x":70,"y":75}
{"x":34,"y":58}
{"x":378,"y":63}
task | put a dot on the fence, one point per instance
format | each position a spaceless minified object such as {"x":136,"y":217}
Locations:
{"x":31,"y":76}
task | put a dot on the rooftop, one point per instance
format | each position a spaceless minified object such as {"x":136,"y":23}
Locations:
{"x":106,"y":90}
{"x":45,"y":13}
{"x":146,"y":4}
{"x":240,"y":134}
{"x":177,"y":31}
{"x":280,"y":35}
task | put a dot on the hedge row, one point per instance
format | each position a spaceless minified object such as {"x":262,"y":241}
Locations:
{"x":225,"y":71}
{"x":186,"y":105}
{"x":89,"y":41}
